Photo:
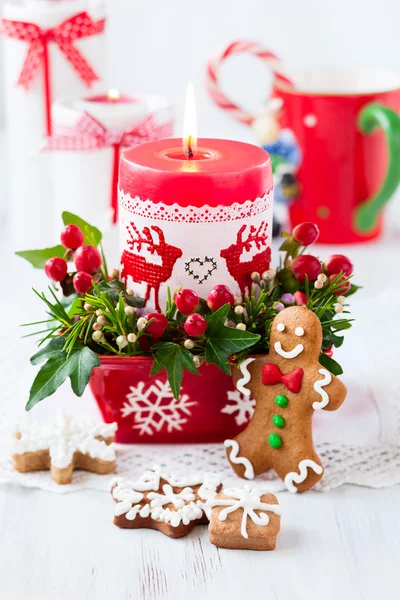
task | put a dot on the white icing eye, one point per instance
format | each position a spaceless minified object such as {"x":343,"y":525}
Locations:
{"x":299,"y":331}
{"x":280,"y":327}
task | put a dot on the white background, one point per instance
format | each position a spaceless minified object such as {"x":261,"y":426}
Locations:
{"x":158,"y":45}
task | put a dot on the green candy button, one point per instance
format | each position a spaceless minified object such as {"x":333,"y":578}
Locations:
{"x":275,"y":440}
{"x":281,"y":400}
{"x":278,"y":421}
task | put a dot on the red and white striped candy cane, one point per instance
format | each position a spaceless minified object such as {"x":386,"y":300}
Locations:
{"x":237,"y":47}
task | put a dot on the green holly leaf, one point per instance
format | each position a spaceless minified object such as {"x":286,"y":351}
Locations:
{"x":78,"y":367}
{"x":330,"y":364}
{"x":50,"y":377}
{"x":38,"y":258}
{"x":223,"y":341}
{"x":175,"y":359}
{"x":51,"y":350}
{"x":92,"y":234}
{"x":81,"y":365}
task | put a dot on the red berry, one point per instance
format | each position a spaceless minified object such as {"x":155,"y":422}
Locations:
{"x":341,"y":287}
{"x":71,"y":237}
{"x":305,"y":233}
{"x":337,"y":263}
{"x":82,"y":282}
{"x":157,"y":326}
{"x":329,"y":351}
{"x":306,"y":265}
{"x":300,"y":298}
{"x":88,"y":259}
{"x":195,"y":325}
{"x":186,"y":301}
{"x":220,"y":295}
{"x":56,"y":268}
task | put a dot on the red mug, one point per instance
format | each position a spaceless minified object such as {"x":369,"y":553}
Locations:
{"x":338,"y":131}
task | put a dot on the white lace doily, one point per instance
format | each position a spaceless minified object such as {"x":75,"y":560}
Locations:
{"x":358,"y":444}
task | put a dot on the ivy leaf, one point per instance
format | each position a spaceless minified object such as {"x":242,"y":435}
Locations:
{"x":223,"y":341}
{"x":81,"y":365}
{"x":78,"y":367}
{"x":50,"y":377}
{"x":175,"y":359}
{"x":92,"y":234}
{"x":328,"y":362}
{"x":38,"y":258}
{"x":51,"y":350}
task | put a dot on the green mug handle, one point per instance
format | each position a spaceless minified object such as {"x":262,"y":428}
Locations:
{"x":372,"y":116}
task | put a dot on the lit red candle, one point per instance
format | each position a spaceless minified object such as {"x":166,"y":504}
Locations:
{"x":194,"y":214}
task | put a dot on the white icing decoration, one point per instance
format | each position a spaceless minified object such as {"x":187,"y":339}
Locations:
{"x":293,"y":477}
{"x":249,"y":500}
{"x":299,"y":331}
{"x":290,"y":353}
{"x":243,"y":381}
{"x":280,"y":327}
{"x":318,"y":385}
{"x":64,"y":436}
{"x":129,"y":496}
{"x":239,"y":460}
{"x":168,"y":496}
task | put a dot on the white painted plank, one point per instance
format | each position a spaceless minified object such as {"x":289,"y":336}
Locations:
{"x":344,"y":544}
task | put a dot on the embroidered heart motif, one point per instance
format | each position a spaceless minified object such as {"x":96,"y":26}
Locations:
{"x":200,"y":268}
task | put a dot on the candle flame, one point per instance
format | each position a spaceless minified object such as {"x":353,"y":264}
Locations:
{"x":113,"y":94}
{"x":190,"y":122}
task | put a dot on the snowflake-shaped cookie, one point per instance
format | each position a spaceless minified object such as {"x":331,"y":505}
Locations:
{"x":63,"y":445}
{"x":160,"y":501}
{"x":244,"y":518}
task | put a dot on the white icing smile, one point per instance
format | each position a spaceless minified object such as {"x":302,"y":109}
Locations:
{"x":290,"y":353}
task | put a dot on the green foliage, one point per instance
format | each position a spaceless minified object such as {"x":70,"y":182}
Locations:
{"x":57,"y":368}
{"x":222,"y":341}
{"x":330,"y":364}
{"x":174,"y":359}
{"x":38,"y":258}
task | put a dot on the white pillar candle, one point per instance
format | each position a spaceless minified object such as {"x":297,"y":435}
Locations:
{"x":30,"y":169}
{"x":82,"y":179}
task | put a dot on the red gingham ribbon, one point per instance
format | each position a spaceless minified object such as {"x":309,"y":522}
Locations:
{"x":91,"y":134}
{"x":64,"y":35}
{"x":214,"y":65}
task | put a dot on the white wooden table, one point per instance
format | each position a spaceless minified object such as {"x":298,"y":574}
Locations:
{"x":343,"y":544}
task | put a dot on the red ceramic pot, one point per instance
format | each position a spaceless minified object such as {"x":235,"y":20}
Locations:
{"x":209,"y":408}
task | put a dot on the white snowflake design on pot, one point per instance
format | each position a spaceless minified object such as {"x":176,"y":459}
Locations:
{"x":155,"y":407}
{"x":249,"y":500}
{"x":242,"y":405}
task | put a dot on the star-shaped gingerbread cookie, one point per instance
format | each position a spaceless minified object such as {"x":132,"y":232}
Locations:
{"x":163,"y":502}
{"x":63,"y":445}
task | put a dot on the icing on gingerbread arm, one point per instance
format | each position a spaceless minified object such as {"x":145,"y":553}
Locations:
{"x":331,"y":390}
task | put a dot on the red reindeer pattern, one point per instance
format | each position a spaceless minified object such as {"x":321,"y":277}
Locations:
{"x":241,"y":271}
{"x":139,"y":269}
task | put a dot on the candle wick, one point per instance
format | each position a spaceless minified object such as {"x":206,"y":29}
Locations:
{"x":189,"y":149}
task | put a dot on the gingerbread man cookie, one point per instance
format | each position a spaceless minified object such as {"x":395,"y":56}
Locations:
{"x":163,"y":502}
{"x":244,"y":518}
{"x":63,"y":445}
{"x":288,"y":385}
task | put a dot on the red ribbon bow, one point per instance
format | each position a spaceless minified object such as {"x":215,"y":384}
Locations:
{"x":91,"y":134}
{"x":271,"y":375}
{"x":72,"y":29}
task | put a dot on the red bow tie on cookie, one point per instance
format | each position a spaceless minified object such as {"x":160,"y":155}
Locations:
{"x":271,"y":375}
